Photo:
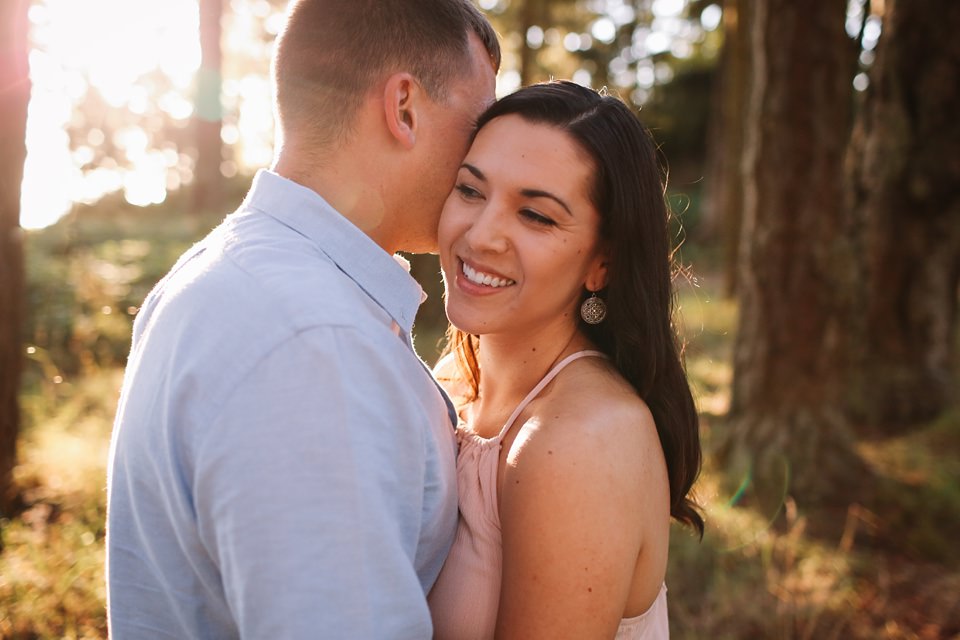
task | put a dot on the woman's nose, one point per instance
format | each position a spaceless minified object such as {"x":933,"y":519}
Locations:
{"x":487,"y":232}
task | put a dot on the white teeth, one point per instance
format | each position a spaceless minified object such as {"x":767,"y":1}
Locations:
{"x":478,"y":277}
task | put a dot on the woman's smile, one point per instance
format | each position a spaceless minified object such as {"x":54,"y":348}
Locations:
{"x":483,"y":277}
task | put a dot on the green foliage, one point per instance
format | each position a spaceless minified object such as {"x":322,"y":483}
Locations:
{"x":88,"y":274}
{"x":706,"y":321}
{"x":678,"y":112}
{"x":51,"y":567}
{"x":917,"y":500}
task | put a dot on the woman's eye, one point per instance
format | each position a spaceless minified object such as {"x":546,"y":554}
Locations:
{"x":537,"y":218}
{"x":468,"y":192}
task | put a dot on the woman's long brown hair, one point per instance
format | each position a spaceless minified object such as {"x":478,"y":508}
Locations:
{"x":638,"y":333}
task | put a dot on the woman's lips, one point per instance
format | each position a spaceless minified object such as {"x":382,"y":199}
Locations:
{"x":479,"y":278}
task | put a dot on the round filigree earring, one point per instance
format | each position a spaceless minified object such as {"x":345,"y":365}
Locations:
{"x":594,"y":309}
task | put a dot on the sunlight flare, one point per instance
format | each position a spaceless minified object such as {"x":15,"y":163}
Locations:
{"x":105,"y":47}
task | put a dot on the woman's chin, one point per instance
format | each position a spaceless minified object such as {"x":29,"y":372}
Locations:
{"x":463,"y":320}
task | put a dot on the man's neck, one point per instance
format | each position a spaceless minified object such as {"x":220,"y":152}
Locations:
{"x":339,"y":181}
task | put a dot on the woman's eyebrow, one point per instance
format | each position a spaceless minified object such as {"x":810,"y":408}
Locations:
{"x":538,"y":193}
{"x":476,"y":172}
{"x":527,"y":193}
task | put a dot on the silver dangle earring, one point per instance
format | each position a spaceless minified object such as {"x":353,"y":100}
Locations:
{"x":594,"y":309}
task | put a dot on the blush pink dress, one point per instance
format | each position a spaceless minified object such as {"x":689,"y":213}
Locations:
{"x":466,"y":596}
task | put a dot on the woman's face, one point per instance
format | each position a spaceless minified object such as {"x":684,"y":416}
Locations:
{"x":519,"y":236}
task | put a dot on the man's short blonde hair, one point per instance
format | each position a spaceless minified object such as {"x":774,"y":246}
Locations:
{"x":332,"y":52}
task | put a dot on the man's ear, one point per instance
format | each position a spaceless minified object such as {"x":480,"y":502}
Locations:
{"x":401,"y":100}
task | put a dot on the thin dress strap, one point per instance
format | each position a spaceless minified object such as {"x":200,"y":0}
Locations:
{"x":557,"y":368}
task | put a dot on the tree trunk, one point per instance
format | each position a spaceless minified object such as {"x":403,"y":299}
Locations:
{"x":905,"y":190}
{"x":530,"y":14}
{"x":14,"y":98}
{"x":723,"y":203}
{"x":208,"y":114}
{"x":796,"y":260}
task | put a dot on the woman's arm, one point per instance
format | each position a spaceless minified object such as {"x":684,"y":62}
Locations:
{"x":582,"y":491}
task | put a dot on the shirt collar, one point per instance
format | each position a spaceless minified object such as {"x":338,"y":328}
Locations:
{"x":375,"y":271}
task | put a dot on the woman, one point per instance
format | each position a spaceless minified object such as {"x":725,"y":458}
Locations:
{"x":578,"y":435}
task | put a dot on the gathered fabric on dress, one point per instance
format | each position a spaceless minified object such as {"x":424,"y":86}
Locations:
{"x":465,"y":599}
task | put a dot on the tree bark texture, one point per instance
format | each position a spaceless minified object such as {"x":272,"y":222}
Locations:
{"x":905,"y":191}
{"x":723,"y":202}
{"x":795,"y":261}
{"x":14,"y":98}
{"x":530,"y":14}
{"x":208,"y":111}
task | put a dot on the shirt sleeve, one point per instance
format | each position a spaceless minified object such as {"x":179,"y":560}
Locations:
{"x":309,"y":492}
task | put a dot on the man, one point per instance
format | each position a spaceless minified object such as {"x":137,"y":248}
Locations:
{"x":282,"y":463}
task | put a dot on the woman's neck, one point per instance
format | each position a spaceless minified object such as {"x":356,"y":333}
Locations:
{"x":512,"y":364}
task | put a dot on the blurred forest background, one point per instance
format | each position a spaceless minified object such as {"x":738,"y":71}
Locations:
{"x":814,"y":155}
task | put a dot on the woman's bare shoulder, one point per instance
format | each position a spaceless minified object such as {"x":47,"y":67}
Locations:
{"x":593,"y":418}
{"x":595,"y":400}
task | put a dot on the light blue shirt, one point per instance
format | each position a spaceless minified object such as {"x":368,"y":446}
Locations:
{"x":282,"y":463}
